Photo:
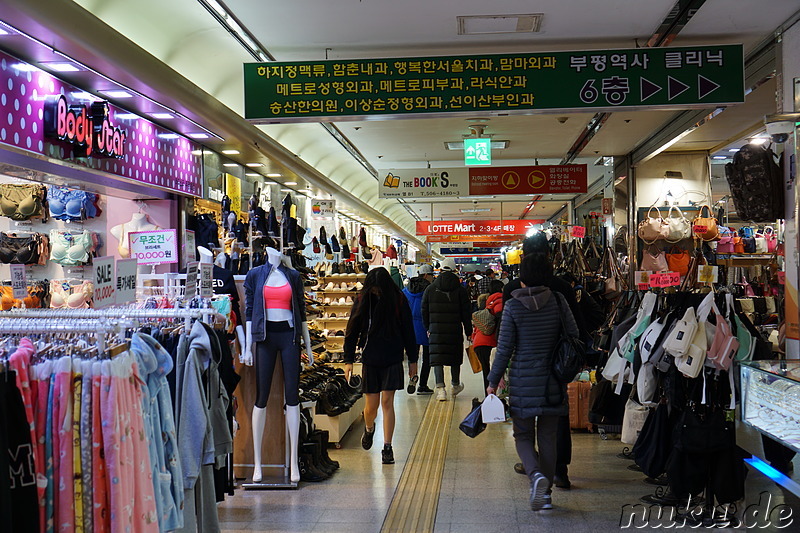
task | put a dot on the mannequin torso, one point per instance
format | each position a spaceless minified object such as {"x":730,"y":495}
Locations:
{"x":138,"y":222}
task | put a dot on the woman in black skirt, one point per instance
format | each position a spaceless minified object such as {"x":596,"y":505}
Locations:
{"x":381,"y":326}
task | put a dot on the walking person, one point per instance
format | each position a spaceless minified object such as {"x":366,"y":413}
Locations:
{"x":414,"y":291}
{"x":529,"y":331}
{"x":382,"y":327}
{"x":447,"y":315}
{"x":482,"y":342}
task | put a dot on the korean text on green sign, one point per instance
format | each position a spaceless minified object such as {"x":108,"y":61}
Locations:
{"x":699,"y":76}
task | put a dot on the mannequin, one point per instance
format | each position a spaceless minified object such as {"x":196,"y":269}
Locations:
{"x":138,"y":222}
{"x":206,"y":256}
{"x":279,"y":338}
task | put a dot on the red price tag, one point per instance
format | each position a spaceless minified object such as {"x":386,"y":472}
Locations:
{"x":782,"y":278}
{"x":700,"y":229}
{"x":642,"y":286}
{"x":578,"y":231}
{"x":671,"y":279}
{"x":655,"y":280}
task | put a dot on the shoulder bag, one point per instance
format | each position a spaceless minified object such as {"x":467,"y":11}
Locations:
{"x":679,"y":227}
{"x":705,"y":228}
{"x":678,"y":260}
{"x":569,"y":353}
{"x":653,"y":229}
{"x":771,"y":237}
{"x":654,"y":262}
{"x":725,"y":245}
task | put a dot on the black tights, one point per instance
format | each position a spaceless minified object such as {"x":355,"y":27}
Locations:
{"x":280,"y":339}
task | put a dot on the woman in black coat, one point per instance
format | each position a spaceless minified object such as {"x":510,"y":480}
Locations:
{"x":382,"y":327}
{"x":529,"y":331}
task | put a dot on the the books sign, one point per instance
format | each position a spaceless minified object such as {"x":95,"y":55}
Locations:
{"x":154,"y":247}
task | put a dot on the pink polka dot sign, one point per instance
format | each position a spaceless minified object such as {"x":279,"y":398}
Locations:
{"x":150,"y":155}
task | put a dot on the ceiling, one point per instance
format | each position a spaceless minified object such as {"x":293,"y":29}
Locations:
{"x":184,"y":36}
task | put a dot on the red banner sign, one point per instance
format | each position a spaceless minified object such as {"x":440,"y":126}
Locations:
{"x":475,"y":227}
{"x":542,"y":179}
{"x":667,"y":279}
{"x":578,"y":231}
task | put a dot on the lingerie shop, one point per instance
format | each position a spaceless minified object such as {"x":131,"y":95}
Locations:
{"x":80,"y":178}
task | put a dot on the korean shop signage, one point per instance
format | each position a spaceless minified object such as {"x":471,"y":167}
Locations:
{"x":423,"y":182}
{"x":323,"y":208}
{"x":88,"y":128}
{"x":674,"y":77}
{"x":154,"y":247}
{"x":475,"y":227}
{"x":540,"y":179}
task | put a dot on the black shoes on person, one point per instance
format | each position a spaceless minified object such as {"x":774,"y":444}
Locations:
{"x":366,"y":438}
{"x":387,"y":454}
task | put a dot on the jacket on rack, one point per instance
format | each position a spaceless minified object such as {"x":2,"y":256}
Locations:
{"x":494,"y":304}
{"x":529,"y":330}
{"x":447,"y":315}
{"x":254,"y":300}
{"x":383,"y":344}
{"x":154,"y":364}
{"x":414,"y":291}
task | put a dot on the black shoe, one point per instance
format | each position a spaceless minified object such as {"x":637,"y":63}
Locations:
{"x":412,"y":385}
{"x":387,"y":455}
{"x":562,"y":482}
{"x":366,"y":439}
{"x":519,"y":469}
{"x":424,"y":389}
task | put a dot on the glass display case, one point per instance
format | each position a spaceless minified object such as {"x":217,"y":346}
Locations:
{"x":771,"y":399}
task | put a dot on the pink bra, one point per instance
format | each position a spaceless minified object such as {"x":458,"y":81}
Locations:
{"x":64,"y":295}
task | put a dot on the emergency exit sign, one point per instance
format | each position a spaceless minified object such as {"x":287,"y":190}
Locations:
{"x":477,"y":152}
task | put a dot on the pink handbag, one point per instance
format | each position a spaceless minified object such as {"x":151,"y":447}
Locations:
{"x":771,"y":237}
{"x":654,"y":262}
{"x":652,"y":229}
{"x":725,"y":243}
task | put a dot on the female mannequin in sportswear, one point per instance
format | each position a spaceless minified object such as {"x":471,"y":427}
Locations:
{"x":138,"y":222}
{"x":276,"y":321}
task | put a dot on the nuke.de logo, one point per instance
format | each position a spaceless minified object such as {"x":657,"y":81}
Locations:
{"x":391,"y":181}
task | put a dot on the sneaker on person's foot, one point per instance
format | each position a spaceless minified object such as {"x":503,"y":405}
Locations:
{"x":519,"y":468}
{"x":366,"y":438}
{"x":441,"y":394}
{"x":387,"y":454}
{"x":457,"y":388}
{"x":412,"y":385}
{"x":548,"y":503}
{"x":424,"y":389}
{"x":538,"y":491}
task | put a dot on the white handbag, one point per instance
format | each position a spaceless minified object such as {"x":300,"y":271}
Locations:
{"x":691,"y":364}
{"x":647,"y":342}
{"x":633,"y":421}
{"x":679,"y":227}
{"x":647,"y":384}
{"x":761,"y":243}
{"x":680,"y":336}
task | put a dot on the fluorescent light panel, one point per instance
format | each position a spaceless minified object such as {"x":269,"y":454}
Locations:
{"x":162,"y":116}
{"x":230,"y":165}
{"x":230,"y":152}
{"x":290,"y":183}
{"x":117,"y":93}
{"x":198,"y":135}
{"x":61,"y":66}
{"x":459,"y":145}
{"x":127,"y":116}
{"x":254,"y":165}
{"x":274,"y":175}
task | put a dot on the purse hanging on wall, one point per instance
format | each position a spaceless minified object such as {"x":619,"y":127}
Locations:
{"x":652,"y":229}
{"x":679,"y":227}
{"x":705,"y":228}
{"x":654,"y":260}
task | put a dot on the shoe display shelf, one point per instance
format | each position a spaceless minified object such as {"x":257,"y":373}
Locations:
{"x":338,"y":426}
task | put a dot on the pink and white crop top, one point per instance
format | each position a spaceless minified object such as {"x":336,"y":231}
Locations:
{"x":279,"y":297}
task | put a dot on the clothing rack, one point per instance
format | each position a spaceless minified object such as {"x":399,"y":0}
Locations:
{"x":205,"y":314}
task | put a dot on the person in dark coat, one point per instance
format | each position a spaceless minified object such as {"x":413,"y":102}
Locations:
{"x":414,"y":291}
{"x":529,"y":331}
{"x":381,"y":325}
{"x":447,"y":314}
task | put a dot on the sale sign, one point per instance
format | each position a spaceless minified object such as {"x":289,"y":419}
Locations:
{"x":126,"y":281}
{"x":475,"y":227}
{"x":154,"y":247}
{"x":104,"y":281}
{"x":578,"y":231}
{"x":665,"y":279}
{"x":540,"y":179}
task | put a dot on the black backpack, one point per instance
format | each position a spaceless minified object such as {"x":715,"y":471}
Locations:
{"x":756,"y":183}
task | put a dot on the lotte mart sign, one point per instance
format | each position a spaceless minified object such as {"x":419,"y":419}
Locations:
{"x":476,"y":227}
{"x":674,"y":77}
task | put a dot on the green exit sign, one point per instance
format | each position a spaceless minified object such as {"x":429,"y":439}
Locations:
{"x":477,"y":152}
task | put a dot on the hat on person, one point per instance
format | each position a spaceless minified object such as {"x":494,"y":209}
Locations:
{"x":425,"y":269}
{"x":449,"y":264}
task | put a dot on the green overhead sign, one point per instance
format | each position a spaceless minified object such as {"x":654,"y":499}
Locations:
{"x":698,"y":76}
{"x":477,"y":152}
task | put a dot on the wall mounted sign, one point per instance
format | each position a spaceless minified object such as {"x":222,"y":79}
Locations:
{"x":19,"y":282}
{"x":423,"y":182}
{"x":476,"y":227}
{"x":233,"y":188}
{"x":104,"y":282}
{"x":126,"y":281}
{"x":154,"y":247}
{"x":540,"y":179}
{"x":148,"y":154}
{"x":323,"y":208}
{"x":674,"y":77}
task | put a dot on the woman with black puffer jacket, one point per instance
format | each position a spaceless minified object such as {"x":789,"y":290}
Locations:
{"x":530,"y":328}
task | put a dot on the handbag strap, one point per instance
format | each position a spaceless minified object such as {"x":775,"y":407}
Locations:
{"x":700,"y":212}
{"x":676,"y":208}
{"x":657,"y":211}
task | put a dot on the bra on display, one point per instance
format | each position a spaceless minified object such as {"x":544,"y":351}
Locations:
{"x":72,"y":204}
{"x":22,"y":202}
{"x":36,"y":295}
{"x":62,"y":294}
{"x":69,"y":249}
{"x":21,"y":250}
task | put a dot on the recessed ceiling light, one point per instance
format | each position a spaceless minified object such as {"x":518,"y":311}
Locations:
{"x":758,"y":140}
{"x":4,"y":32}
{"x":169,"y":136}
{"x":23,"y":67}
{"x":459,"y":145}
{"x":252,"y":174}
{"x":82,"y":95}
{"x":273,"y":175}
{"x":287,"y":190}
{"x":733,"y":150}
{"x":230,"y":152}
{"x":197,"y":152}
{"x":117,"y":93}
{"x":230,"y":165}
{"x":162,"y":116}
{"x":61,"y":66}
{"x":254,"y":165}
{"x":198,"y":135}
{"x":490,"y":24}
{"x":720,"y":157}
{"x":290,"y":183}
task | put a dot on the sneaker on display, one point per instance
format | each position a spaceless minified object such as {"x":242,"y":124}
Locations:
{"x":457,"y":388}
{"x":348,"y":301}
{"x":329,"y":286}
{"x":441,"y":394}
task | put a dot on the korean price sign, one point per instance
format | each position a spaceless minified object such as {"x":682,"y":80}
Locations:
{"x":126,"y":281}
{"x":104,"y":282}
{"x":642,"y":279}
{"x":708,"y":274}
{"x":578,"y":231}
{"x":666,"y":279}
{"x":154,"y":247}
{"x":190,"y":291}
{"x":206,"y":280}
{"x":674,"y":77}
{"x":189,"y":247}
{"x":19,"y":282}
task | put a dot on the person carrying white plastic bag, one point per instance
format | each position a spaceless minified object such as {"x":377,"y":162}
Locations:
{"x":492,"y":410}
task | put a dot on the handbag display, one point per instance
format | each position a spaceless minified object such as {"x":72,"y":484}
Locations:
{"x":474,"y":362}
{"x":653,"y":447}
{"x":691,"y":364}
{"x":748,"y":240}
{"x":724,"y":346}
{"x":738,"y":245}
{"x":725,"y":245}
{"x":615,"y":283}
{"x":771,"y":238}
{"x":473,"y":425}
{"x":705,"y":228}
{"x":653,"y":229}
{"x":703,"y":431}
{"x":654,"y":262}
{"x":760,"y":243}
{"x":633,"y":421}
{"x":679,"y":227}
{"x":678,"y":260}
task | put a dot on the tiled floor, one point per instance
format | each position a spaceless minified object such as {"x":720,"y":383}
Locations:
{"x":480,"y":492}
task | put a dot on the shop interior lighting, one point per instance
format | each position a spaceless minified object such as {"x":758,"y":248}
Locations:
{"x":290,"y":183}
{"x":720,"y":157}
{"x":23,"y":67}
{"x":476,"y":210}
{"x":252,"y":174}
{"x":459,"y":145}
{"x":82,"y":95}
{"x":3,"y":31}
{"x":61,"y":66}
{"x":162,"y":116}
{"x":230,"y":165}
{"x":198,"y":135}
{"x":733,"y":150}
{"x":127,"y":116}
{"x":254,"y":165}
{"x":229,"y":22}
{"x":230,"y":152}
{"x":197,"y":152}
{"x":758,"y":140}
{"x":169,"y":136}
{"x":287,"y":190}
{"x":117,"y":93}
{"x":274,"y":175}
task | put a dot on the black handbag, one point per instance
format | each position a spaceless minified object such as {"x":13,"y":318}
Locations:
{"x":569,"y":353}
{"x":473,"y":425}
{"x":703,"y":430}
{"x":654,"y":444}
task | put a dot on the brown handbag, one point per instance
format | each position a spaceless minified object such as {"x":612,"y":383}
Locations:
{"x":678,"y":260}
{"x":705,"y":228}
{"x":474,"y":362}
{"x":652,"y":229}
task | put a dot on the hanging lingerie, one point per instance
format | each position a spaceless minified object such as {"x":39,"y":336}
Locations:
{"x":69,"y":249}
{"x":22,"y":202}
{"x":72,"y":204}
{"x":35,"y":299}
{"x":29,"y":250}
{"x":62,"y":294}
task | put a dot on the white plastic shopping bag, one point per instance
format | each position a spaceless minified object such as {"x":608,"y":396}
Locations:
{"x":492,"y":410}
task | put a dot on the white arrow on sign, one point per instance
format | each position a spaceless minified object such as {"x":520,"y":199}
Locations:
{"x":470,"y":150}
